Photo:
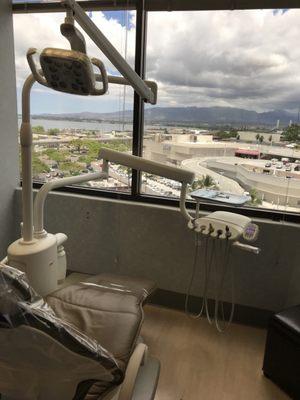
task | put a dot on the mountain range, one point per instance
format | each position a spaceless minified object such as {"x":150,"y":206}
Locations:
{"x":187,"y":115}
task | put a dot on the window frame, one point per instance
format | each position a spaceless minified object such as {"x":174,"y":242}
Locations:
{"x":142,"y":7}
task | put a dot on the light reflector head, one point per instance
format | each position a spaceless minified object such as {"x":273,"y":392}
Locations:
{"x":68,"y":71}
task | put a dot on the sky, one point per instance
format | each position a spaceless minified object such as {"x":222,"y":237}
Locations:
{"x":245,"y":59}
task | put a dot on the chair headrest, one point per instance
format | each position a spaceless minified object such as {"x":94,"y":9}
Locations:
{"x":21,"y":305}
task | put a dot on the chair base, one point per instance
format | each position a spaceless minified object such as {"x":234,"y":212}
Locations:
{"x":147,"y":380}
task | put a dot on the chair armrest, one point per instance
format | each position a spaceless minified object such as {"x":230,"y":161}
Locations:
{"x":136,"y":360}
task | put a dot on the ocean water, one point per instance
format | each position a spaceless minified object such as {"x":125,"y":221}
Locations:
{"x":102,"y":127}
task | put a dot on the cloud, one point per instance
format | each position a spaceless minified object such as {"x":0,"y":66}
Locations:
{"x":245,"y":59}
{"x":43,"y":30}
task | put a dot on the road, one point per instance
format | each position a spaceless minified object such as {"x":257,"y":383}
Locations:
{"x":225,"y":184}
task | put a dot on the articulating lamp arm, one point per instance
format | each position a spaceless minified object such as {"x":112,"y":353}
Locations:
{"x":183,"y":176}
{"x":119,"y":80}
{"x":39,"y":201}
{"x":141,"y":87}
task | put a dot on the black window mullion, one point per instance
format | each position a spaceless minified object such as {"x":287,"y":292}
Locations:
{"x":160,"y":5}
{"x":90,"y":5}
{"x":138,"y":108}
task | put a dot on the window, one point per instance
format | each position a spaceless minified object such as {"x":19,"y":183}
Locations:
{"x":228,"y":102}
{"x":68,"y":130}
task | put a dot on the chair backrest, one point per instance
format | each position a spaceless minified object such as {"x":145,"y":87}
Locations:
{"x":42,"y":356}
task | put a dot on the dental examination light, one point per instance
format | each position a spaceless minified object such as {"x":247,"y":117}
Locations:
{"x":217,"y":233}
{"x":40,"y":254}
{"x":71,"y":71}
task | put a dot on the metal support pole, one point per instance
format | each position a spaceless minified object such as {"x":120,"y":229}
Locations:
{"x":26,"y":155}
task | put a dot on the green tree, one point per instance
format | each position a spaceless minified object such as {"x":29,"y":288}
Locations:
{"x":261,"y":139}
{"x":78,"y":144}
{"x":257,"y":137}
{"x":39,"y":129}
{"x":53,"y":131}
{"x":227,"y":135}
{"x":56,"y":155}
{"x":93,"y":148}
{"x":255,"y":199}
{"x":233,"y":132}
{"x":118,"y":145}
{"x":205,"y":181}
{"x":270,"y":138}
{"x":70,"y":168}
{"x":292,"y":133}
{"x":38,"y":167}
{"x":86,"y":159}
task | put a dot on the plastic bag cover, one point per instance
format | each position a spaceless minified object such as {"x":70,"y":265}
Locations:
{"x":43,"y":356}
{"x":141,"y":288}
{"x":114,"y":304}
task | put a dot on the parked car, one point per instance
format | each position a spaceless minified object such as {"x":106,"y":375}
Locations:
{"x":291,"y":145}
{"x":285,"y":160}
{"x":268,"y":165}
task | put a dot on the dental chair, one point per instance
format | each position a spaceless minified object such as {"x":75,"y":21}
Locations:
{"x":81,"y":342}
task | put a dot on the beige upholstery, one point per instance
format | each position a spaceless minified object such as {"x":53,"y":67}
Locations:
{"x":140,"y":287}
{"x":107,"y":308}
{"x":77,"y":345}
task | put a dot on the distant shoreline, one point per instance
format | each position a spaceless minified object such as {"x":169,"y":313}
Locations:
{"x":106,"y":121}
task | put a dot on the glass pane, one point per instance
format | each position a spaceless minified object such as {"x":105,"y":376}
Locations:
{"x":228,"y":102}
{"x":158,"y":186}
{"x":69,"y":130}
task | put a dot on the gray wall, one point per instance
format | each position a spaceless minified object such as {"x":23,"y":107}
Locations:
{"x":8,"y":128}
{"x":154,"y":242}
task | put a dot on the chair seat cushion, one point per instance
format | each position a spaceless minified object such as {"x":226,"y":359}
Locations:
{"x":140,"y":287}
{"x":107,"y":308}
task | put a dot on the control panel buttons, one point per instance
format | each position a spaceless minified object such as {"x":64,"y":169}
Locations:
{"x":250,"y":232}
